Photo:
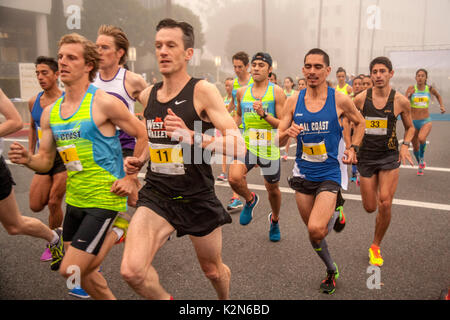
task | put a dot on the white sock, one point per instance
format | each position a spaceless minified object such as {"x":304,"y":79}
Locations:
{"x":118,"y":231}
{"x":55,"y":238}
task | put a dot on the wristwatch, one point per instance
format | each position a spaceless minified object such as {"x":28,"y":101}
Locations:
{"x":407,"y":143}
{"x":355,"y":147}
{"x":198,"y":139}
{"x":263,"y":116}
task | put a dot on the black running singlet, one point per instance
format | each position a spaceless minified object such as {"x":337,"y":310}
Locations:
{"x":172,"y":170}
{"x":380,"y":138}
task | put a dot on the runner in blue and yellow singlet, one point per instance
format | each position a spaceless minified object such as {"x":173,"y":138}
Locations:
{"x":258,"y":107}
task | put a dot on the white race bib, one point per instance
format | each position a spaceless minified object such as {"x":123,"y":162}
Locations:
{"x":314,"y":152}
{"x":376,"y":126}
{"x":70,"y":157}
{"x":260,"y":137}
{"x":167,"y":159}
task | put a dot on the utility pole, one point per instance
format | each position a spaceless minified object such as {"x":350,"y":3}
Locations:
{"x":319,"y":27}
{"x":358,"y":39}
{"x":263,"y":20}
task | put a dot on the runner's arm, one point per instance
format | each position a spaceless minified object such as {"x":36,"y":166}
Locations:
{"x":287,"y":128}
{"x":135,"y":84}
{"x":439,"y":98}
{"x":409,"y":92}
{"x":31,"y":132}
{"x":13,"y":121}
{"x":405,"y":112}
{"x":43,"y":160}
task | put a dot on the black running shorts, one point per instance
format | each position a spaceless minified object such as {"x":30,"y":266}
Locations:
{"x":368,"y":167}
{"x":58,"y":166}
{"x":270,"y":169}
{"x":313,"y":187}
{"x":193,"y":217}
{"x":86,"y":228}
{"x":6,"y":180}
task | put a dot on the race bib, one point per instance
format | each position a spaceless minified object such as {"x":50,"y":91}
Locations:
{"x":260,"y":137}
{"x":314,"y":152}
{"x":376,"y":126}
{"x":167,"y":159}
{"x":70,"y":158}
{"x":39,"y":133}
{"x":421,"y":101}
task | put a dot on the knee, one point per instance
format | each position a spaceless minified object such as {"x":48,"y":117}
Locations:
{"x":316,"y":232}
{"x":370,"y":208}
{"x":234,"y":179}
{"x":36,"y":206}
{"x":132,"y":274}
{"x":211,"y":271}
{"x":385,"y":204}
{"x":54,"y":203}
{"x":13,"y":230}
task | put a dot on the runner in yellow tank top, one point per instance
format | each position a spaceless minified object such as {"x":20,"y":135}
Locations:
{"x":259,"y":106}
{"x":342,"y":86}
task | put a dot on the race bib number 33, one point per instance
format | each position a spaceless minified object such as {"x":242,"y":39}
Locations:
{"x":376,"y":126}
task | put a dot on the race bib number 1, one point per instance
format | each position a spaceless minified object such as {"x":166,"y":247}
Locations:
{"x":314,"y":152}
{"x":167,"y":159}
{"x":70,"y":157}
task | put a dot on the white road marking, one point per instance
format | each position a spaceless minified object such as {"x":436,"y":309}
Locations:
{"x":356,"y":197}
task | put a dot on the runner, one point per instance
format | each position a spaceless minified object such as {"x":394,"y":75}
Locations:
{"x":83,"y":123}
{"x":288,"y":91}
{"x":235,"y":201}
{"x":378,"y":157}
{"x":258,"y":107}
{"x":367,"y":82}
{"x":46,"y":189}
{"x":301,"y":84}
{"x":420,"y":97}
{"x":357,"y":89}
{"x":10,"y":216}
{"x":179,"y":108}
{"x":342,"y":85}
{"x":313,"y":117}
{"x":273,"y":78}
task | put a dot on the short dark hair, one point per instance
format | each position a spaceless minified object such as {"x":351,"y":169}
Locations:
{"x":326,"y":57}
{"x":423,"y":70}
{"x":188,"y":30}
{"x":241,"y":56}
{"x":381,"y":60}
{"x":51,"y":62}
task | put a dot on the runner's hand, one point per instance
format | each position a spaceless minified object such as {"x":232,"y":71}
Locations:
{"x":18,"y":154}
{"x":405,"y":155}
{"x":176,"y":128}
{"x":258,"y":107}
{"x":294,"y":130}
{"x":123,"y":187}
{"x":442,"y":110}
{"x":349,"y":156}
{"x":132,"y":165}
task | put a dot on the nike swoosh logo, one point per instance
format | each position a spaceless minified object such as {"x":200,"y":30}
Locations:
{"x":179,"y":102}
{"x":81,"y":240}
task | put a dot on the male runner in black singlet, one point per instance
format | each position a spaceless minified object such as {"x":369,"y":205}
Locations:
{"x":179,"y":190}
{"x":378,"y":156}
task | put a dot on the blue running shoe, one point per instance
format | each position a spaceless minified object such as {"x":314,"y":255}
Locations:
{"x":79,"y":293}
{"x":274,"y":232}
{"x":235,"y":203}
{"x":247,"y":212}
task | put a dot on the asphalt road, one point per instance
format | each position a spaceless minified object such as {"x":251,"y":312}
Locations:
{"x":416,"y":248}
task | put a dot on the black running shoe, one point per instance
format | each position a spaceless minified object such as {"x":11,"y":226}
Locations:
{"x":339,"y":225}
{"x":57,"y":251}
{"x":329,"y":284}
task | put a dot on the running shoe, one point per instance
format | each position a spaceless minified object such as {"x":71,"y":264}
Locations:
{"x":222,"y":177}
{"x":57,"y":251}
{"x":79,"y":293}
{"x":375,"y":257}
{"x":122,"y":222}
{"x":329,"y":284}
{"x":247,"y":213}
{"x":46,"y":255}
{"x":235,"y":203}
{"x":274,"y":232}
{"x":339,"y":225}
